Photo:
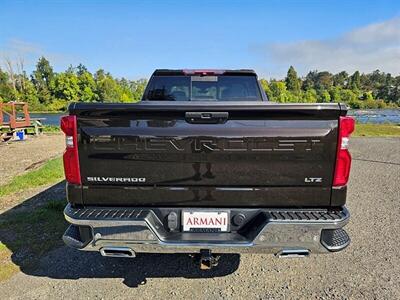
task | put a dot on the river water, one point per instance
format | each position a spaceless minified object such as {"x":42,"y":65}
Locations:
{"x":376,"y":116}
{"x":48,"y":119}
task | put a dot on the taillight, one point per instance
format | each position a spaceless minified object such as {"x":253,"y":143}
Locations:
{"x":70,"y":157}
{"x":343,"y":157}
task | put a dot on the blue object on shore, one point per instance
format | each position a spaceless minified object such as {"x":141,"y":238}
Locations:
{"x":20,"y":135}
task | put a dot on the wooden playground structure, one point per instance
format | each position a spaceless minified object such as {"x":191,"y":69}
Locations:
{"x":15,"y":121}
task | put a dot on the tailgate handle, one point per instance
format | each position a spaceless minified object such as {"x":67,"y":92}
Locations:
{"x":206,"y":117}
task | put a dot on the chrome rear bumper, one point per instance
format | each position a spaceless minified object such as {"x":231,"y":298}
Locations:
{"x":270,"y":231}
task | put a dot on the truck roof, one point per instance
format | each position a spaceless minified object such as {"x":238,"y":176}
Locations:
{"x":204,"y":72}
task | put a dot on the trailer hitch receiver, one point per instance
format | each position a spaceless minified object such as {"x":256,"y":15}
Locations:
{"x":207,"y":260}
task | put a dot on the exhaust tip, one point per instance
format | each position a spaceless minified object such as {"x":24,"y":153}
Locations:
{"x":293,"y":253}
{"x":117,"y":252}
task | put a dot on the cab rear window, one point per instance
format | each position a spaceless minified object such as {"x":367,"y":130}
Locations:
{"x":203,"y":88}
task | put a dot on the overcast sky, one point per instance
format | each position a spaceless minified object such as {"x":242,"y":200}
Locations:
{"x":131,"y":39}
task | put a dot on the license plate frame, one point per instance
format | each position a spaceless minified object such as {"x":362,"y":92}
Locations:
{"x":205,"y":227}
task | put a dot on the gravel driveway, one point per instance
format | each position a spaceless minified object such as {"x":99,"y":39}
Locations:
{"x":368,"y":269}
{"x":18,"y":157}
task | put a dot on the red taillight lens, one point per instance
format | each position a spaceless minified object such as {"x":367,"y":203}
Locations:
{"x":70,"y":158}
{"x":343,"y":157}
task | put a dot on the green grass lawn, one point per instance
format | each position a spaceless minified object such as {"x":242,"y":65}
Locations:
{"x":26,"y":236}
{"x":46,"y":129}
{"x":374,"y":130}
{"x":50,"y":172}
{"x":7,"y":267}
{"x":51,"y":129}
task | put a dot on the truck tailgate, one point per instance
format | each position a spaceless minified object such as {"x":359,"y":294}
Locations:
{"x":207,"y":154}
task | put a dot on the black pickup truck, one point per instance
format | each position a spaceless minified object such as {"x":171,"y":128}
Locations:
{"x":206,"y":163}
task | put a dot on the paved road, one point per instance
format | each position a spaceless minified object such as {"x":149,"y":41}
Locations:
{"x":368,"y":269}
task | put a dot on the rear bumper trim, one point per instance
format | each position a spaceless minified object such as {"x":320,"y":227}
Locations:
{"x":272,"y":231}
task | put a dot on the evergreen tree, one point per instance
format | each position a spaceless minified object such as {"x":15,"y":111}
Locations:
{"x":81,"y":69}
{"x":42,"y":78}
{"x":310,"y":80}
{"x":340,"y":79}
{"x":324,"y":81}
{"x":355,"y":83}
{"x":292,"y":81}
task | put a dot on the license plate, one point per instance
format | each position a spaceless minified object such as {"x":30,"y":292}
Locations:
{"x":205,"y":221}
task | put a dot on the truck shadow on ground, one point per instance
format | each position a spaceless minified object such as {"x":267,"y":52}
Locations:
{"x":32,"y":233}
{"x":67,"y":263}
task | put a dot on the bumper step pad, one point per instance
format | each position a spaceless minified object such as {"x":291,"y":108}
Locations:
{"x":335,"y":239}
{"x":72,"y":237}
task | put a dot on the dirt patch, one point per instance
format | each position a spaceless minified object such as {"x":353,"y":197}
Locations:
{"x":19,"y":157}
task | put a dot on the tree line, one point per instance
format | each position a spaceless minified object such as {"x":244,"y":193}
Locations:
{"x":46,"y":90}
{"x":359,"y":90}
